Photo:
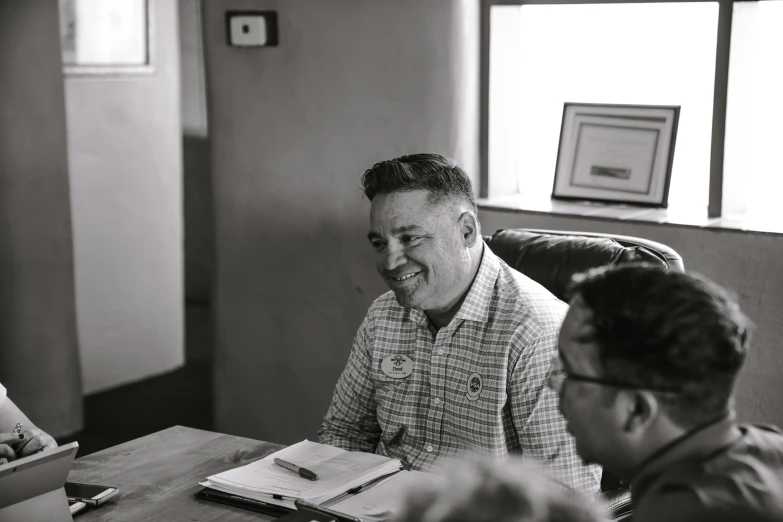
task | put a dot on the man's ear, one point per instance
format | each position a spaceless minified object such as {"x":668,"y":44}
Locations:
{"x":643,"y":408}
{"x":468,"y":225}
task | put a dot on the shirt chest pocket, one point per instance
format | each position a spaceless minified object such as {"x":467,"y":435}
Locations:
{"x":394,"y":402}
{"x":391,"y":390}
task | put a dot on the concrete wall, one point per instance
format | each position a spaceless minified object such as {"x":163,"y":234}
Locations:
{"x":125,"y":160}
{"x":292,"y":129}
{"x":746,"y":262}
{"x":39,"y":362}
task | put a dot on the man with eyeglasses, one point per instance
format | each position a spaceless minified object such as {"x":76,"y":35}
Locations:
{"x":645,"y":373}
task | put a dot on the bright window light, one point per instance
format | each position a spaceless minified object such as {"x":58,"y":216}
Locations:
{"x":643,"y":54}
{"x":753,"y":168}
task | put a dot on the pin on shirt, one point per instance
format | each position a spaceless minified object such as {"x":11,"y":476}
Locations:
{"x":475,"y":384}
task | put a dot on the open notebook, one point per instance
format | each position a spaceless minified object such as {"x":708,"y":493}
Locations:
{"x":378,"y":503}
{"x":348,"y":481}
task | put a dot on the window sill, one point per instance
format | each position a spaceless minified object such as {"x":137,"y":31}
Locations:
{"x":631,"y":214}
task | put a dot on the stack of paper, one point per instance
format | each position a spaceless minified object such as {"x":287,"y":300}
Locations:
{"x":338,"y":471}
{"x":381,"y":502}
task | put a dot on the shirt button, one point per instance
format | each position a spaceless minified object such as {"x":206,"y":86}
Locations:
{"x":436,"y":401}
{"x":440,"y":352}
{"x":429,"y":448}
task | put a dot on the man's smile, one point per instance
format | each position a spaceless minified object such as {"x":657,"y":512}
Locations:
{"x":402,"y":279}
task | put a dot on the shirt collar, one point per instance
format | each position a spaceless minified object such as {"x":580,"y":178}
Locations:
{"x":475,"y":307}
{"x":697,"y":447}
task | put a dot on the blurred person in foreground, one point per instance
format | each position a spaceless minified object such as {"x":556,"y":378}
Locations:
{"x":18,"y":436}
{"x":648,"y":359}
{"x":487,"y":491}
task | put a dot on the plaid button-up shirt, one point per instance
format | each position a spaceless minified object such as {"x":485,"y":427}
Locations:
{"x":478,"y":384}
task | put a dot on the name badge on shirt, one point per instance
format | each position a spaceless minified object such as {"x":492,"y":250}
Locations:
{"x":397,"y":366}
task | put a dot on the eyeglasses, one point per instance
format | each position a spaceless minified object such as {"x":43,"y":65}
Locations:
{"x":558,"y":375}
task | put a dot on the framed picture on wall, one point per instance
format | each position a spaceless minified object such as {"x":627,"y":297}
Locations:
{"x":106,"y":36}
{"x":616,"y":153}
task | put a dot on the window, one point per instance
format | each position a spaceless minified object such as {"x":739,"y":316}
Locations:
{"x":753,"y":165}
{"x":557,"y":51}
{"x":104,"y":36}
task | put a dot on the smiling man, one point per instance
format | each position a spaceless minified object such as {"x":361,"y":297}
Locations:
{"x":456,"y":356}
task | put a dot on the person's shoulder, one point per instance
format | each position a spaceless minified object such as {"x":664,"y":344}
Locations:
{"x":385,"y":307}
{"x":528,"y":302}
{"x":519,"y":289}
{"x":767,"y":434}
{"x":761,"y":448}
{"x":712,"y":499}
{"x":750,"y":473}
{"x":755,"y":458}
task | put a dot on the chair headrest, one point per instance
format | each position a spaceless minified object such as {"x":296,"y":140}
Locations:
{"x":553,"y":259}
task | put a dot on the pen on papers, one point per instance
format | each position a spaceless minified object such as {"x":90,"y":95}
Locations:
{"x":374,"y":481}
{"x":302,"y":472}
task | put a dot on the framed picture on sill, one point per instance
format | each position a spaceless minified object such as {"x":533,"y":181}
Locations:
{"x":616,"y":153}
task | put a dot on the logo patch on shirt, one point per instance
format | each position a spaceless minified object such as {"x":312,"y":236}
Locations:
{"x":475,"y":385}
{"x":397,"y":366}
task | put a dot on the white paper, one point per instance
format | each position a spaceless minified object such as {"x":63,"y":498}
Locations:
{"x":382,"y":501}
{"x":338,"y":470}
{"x":268,"y":499}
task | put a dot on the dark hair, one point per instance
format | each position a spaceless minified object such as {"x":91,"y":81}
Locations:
{"x":440,"y":176}
{"x":664,"y":329}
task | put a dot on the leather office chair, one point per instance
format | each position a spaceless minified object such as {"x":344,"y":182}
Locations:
{"x":552,"y":257}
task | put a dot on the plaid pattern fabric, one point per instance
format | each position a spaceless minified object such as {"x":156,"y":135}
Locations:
{"x":478,"y":384}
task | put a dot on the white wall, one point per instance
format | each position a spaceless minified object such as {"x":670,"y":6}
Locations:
{"x":39,"y":363}
{"x":748,"y":263}
{"x":292,"y":128}
{"x":125,"y":162}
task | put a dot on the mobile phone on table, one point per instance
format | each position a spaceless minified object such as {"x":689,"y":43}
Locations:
{"x":90,"y":494}
{"x":76,"y":506}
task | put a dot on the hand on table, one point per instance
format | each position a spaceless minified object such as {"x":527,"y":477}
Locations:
{"x":9,"y":442}
{"x":34,"y":441}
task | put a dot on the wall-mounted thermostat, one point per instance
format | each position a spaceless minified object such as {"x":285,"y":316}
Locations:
{"x":251,"y":28}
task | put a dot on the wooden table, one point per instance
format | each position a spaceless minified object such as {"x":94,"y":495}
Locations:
{"x":157,"y":476}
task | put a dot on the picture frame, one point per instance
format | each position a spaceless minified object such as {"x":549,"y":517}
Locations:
{"x":613,"y":153}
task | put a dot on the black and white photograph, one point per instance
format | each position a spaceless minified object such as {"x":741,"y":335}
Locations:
{"x":391,"y":261}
